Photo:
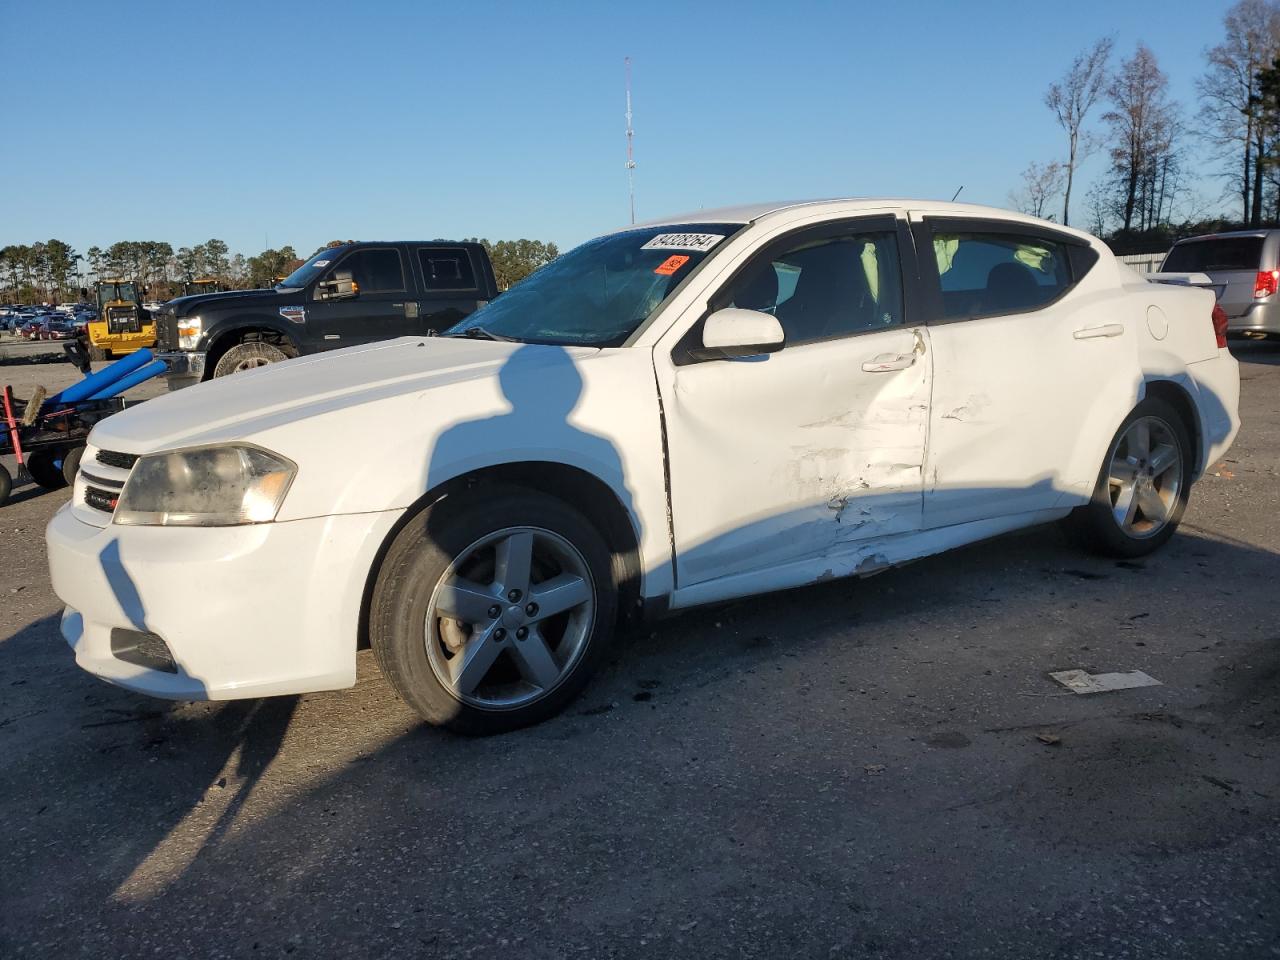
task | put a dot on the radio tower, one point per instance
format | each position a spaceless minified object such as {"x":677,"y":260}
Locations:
{"x":631,"y":163}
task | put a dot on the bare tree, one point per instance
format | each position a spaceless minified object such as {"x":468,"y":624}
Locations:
{"x":1229,"y":96}
{"x":1071,"y":99}
{"x":1041,"y":182}
{"x":1143,"y":131}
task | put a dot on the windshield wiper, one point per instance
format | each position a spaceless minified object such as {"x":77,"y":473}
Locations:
{"x":480,"y":333}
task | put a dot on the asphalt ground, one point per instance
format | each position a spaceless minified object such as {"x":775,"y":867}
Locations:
{"x":879,"y":768}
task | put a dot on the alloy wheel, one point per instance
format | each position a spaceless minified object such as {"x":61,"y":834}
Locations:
{"x":510,"y":618}
{"x":1144,"y":477}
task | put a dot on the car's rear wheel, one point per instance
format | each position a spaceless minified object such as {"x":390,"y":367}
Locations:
{"x":1142,"y":487}
{"x":493,"y":608}
{"x":248,"y":356}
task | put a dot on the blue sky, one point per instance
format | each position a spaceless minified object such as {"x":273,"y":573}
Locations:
{"x":304,"y":122}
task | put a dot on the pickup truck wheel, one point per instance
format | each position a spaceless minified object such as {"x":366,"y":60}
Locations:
{"x":1142,"y":487}
{"x":6,"y":484}
{"x":493,"y":608}
{"x":247,"y":356}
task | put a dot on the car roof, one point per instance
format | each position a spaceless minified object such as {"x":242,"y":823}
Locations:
{"x":847,"y":206}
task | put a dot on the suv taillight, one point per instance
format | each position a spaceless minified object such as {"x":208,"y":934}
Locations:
{"x":1220,"y":324}
{"x":1266,"y":284}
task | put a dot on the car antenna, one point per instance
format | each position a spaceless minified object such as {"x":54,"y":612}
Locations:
{"x":957,"y":193}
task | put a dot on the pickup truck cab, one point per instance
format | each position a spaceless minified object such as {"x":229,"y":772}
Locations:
{"x":343,"y":296}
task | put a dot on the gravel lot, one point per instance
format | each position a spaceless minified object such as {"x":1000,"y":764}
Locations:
{"x":848,"y":770}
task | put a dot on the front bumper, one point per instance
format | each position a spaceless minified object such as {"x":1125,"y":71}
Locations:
{"x":183,"y":363}
{"x":249,"y":611}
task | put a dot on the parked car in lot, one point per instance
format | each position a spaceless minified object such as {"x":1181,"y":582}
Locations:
{"x":697,"y":409}
{"x":345,"y":295}
{"x":56,"y":330}
{"x":30,"y":330}
{"x":1243,"y":270}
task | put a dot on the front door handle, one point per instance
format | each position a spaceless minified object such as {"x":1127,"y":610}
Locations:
{"x":888,"y":362}
{"x":1106,"y":330}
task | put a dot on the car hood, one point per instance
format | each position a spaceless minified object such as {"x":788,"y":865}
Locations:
{"x":182,"y":306}
{"x":248,"y":404}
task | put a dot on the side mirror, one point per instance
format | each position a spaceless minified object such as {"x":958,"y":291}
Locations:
{"x":734,"y":332}
{"x":340,"y":286}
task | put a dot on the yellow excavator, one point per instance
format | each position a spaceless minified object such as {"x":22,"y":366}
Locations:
{"x":123,"y":325}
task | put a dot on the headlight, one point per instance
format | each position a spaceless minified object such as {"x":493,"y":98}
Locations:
{"x":188,"y":332}
{"x":218,"y":486}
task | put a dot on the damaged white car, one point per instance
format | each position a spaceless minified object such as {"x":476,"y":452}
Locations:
{"x":706,"y":407}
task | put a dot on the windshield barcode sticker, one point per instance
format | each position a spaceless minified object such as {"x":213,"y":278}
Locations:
{"x":683,"y":241}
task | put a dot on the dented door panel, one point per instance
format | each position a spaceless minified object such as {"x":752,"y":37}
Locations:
{"x":801,"y":454}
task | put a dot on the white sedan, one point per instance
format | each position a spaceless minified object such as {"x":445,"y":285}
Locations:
{"x":701,"y":408}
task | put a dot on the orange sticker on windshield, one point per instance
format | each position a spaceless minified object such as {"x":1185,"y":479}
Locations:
{"x":671,"y":265}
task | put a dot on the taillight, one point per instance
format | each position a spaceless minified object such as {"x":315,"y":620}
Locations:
{"x":1266,"y":284}
{"x":1220,"y":324}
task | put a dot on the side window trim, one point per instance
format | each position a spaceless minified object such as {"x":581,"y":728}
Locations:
{"x":404,"y":287}
{"x":1081,"y":258}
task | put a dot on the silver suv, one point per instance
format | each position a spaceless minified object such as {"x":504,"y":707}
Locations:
{"x":1243,"y":268}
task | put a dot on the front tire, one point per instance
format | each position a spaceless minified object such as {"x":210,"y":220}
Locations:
{"x":493,"y":608}
{"x":1142,"y":488}
{"x":248,"y":356}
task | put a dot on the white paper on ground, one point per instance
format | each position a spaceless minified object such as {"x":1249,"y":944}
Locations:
{"x":1077,"y":681}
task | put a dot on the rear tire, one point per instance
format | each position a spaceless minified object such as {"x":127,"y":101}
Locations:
{"x":248,"y":356}
{"x":517,"y":647}
{"x":6,"y":485}
{"x":1142,"y":487}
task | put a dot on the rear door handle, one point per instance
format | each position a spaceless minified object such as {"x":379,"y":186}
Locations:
{"x":888,"y":362}
{"x":1106,"y":330}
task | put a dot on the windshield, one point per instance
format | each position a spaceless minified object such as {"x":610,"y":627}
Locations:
{"x":108,"y":292}
{"x":1221,"y":253}
{"x":599,"y":293}
{"x":309,"y":270}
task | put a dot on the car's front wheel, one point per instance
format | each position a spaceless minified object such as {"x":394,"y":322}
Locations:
{"x":493,"y":608}
{"x":1142,"y":489}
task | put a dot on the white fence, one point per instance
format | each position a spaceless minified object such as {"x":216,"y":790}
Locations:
{"x":1143,"y":262}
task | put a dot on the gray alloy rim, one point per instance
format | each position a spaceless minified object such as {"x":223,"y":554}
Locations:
{"x":251,"y":363}
{"x":510,"y":618}
{"x":1145,"y":477}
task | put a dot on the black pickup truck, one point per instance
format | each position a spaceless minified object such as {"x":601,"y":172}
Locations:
{"x":343,"y":296}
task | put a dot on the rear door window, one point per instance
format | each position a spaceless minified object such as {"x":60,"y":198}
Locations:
{"x":1218,"y":254}
{"x":988,"y":274}
{"x":447,"y":268}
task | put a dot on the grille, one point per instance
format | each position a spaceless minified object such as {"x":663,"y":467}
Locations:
{"x":166,"y":329}
{"x":99,"y":499}
{"x":103,"y":481}
{"x":123,"y":320}
{"x":113,"y":458}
